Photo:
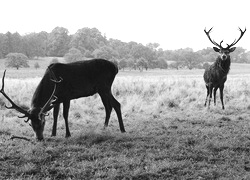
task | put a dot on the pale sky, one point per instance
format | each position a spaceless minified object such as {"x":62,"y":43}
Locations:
{"x":173,"y":24}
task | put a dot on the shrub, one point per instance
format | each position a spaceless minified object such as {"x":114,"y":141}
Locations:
{"x":205,"y":65}
{"x":36,"y":65}
{"x":54,"y":60}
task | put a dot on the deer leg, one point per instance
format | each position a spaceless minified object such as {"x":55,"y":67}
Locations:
{"x":210,"y":95}
{"x":215,"y":89}
{"x":207,"y":95}
{"x":117,"y":106}
{"x":66,"y":105}
{"x":107,"y":106}
{"x":55,"y":116}
{"x":221,"y":96}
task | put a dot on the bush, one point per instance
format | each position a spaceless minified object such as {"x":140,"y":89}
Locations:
{"x":36,"y":65}
{"x":54,"y":60}
{"x":162,"y":63}
{"x":205,"y":65}
{"x":122,"y":64}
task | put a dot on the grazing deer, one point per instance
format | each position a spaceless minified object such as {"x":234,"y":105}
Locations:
{"x":216,"y":75}
{"x":63,"y":82}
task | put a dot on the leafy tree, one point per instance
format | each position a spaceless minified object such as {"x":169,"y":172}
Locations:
{"x":160,"y":53}
{"x":247,"y":57}
{"x":120,"y":47}
{"x":73,"y":55}
{"x":3,"y":45}
{"x":169,"y":55}
{"x":205,"y":65}
{"x":191,"y":59}
{"x":137,"y":51}
{"x":16,"y":42}
{"x":35,"y":44}
{"x":88,"y":54}
{"x":58,"y":42}
{"x":208,"y":54}
{"x":243,"y":58}
{"x":16,"y":60}
{"x":105,"y":52}
{"x":141,"y":63}
{"x":10,"y":43}
{"x":176,"y":65}
{"x":88,"y":39}
{"x":162,"y":64}
{"x":43,"y":37}
{"x":153,"y":46}
{"x":123,"y":64}
{"x":238,"y":55}
{"x":131,"y":63}
{"x":115,"y":61}
{"x":92,"y":43}
{"x":187,"y":58}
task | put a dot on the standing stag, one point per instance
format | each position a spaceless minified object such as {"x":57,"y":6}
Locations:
{"x":216,"y":75}
{"x":63,"y":82}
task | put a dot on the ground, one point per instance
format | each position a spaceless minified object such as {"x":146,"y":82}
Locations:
{"x":170,"y":134}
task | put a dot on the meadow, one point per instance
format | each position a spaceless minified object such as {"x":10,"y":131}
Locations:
{"x":170,"y":134}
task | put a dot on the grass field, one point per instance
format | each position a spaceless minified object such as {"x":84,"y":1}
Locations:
{"x":170,"y":134}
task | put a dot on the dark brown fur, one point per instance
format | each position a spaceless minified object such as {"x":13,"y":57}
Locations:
{"x":215,"y":76}
{"x":81,"y":79}
{"x":64,"y":82}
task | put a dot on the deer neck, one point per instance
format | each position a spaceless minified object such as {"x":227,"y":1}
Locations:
{"x":42,"y":93}
{"x":223,"y":65}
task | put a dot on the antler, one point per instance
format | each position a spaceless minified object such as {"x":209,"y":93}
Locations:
{"x":235,"y":41}
{"x":13,"y":105}
{"x":53,"y":98}
{"x":212,"y":41}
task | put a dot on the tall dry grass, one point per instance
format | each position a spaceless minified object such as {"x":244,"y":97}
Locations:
{"x":170,"y":134}
{"x":144,"y":96}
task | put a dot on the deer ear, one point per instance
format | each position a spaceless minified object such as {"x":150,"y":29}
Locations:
{"x":216,"y":49}
{"x":232,"y":49}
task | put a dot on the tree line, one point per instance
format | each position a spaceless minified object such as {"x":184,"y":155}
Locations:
{"x":91,"y":43}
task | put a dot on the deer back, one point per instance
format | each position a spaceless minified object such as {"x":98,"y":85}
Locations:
{"x":80,"y":79}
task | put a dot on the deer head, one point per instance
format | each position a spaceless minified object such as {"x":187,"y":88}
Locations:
{"x":35,"y":115}
{"x":224,"y":52}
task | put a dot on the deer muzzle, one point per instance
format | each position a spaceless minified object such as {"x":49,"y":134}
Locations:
{"x":39,"y":137}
